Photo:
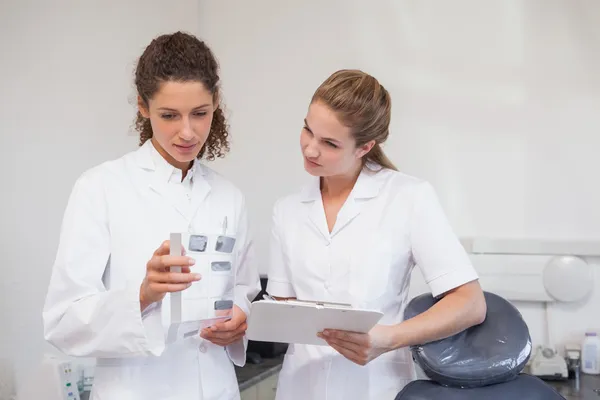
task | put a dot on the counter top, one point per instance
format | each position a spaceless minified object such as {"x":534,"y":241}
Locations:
{"x":589,"y":388}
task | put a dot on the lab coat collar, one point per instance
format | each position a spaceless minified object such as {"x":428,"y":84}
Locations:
{"x":367,"y":186}
{"x":150,"y":159}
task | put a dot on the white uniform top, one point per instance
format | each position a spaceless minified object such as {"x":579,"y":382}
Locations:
{"x":389,"y":223}
{"x":118,"y":214}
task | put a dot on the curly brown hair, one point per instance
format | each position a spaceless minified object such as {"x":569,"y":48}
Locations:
{"x":181,"y":57}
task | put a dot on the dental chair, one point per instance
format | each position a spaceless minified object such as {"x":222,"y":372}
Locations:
{"x":483,"y":362}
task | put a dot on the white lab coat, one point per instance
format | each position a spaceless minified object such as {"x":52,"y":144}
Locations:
{"x":389,"y":223}
{"x":118,"y":214}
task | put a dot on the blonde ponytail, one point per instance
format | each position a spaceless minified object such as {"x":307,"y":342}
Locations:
{"x":363,"y":104}
{"x":377,"y":156}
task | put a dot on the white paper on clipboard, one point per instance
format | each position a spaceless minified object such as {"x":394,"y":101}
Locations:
{"x":298,"y":322}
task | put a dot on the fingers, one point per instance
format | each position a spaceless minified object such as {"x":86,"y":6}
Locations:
{"x":176,"y":283}
{"x":351,"y":346}
{"x":234,"y":339}
{"x":163,"y":262}
{"x":220,"y":326}
{"x":169,"y":287}
{"x":231,"y":324}
{"x":349,"y":354}
{"x":208,"y":334}
{"x":224,"y":328}
{"x":223,"y":338}
{"x":221,"y":342}
{"x":225,"y":332}
{"x":165,"y":248}
{"x":168,"y":282}
{"x":172,"y":277}
{"x":361,"y":339}
{"x":354,"y":346}
{"x":160,"y":279}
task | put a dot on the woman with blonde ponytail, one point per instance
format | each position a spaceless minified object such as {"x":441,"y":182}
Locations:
{"x":353,"y":235}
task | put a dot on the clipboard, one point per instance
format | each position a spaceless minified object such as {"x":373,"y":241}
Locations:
{"x":299,"y":321}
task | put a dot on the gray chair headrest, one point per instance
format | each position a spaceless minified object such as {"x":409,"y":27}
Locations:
{"x":493,"y":352}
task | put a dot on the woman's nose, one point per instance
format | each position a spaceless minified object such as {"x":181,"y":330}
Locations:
{"x":186,"y":132}
{"x":311,"y":150}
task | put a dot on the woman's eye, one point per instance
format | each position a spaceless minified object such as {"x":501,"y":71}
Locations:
{"x":200,"y":114}
{"x":332,"y":145}
{"x":167,"y":116}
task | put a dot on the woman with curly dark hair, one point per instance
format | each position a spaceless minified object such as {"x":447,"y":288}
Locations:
{"x":107,"y":295}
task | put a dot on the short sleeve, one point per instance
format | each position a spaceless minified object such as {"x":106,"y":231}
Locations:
{"x":435,"y":247}
{"x":279,"y":282}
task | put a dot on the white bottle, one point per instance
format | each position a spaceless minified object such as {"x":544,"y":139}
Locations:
{"x":590,"y":354}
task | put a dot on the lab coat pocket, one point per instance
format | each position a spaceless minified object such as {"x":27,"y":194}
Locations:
{"x":370,"y":272}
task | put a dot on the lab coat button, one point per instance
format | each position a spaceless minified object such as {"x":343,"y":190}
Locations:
{"x":202,"y":348}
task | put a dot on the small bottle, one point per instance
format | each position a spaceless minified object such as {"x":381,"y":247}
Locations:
{"x":590,"y":354}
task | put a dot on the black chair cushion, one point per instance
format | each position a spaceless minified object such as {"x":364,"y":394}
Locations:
{"x":523,"y":387}
{"x":492,"y":352}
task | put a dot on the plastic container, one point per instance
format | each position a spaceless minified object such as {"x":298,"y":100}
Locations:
{"x":590,"y":354}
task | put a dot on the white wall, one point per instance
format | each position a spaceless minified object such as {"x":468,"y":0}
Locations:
{"x":66,"y":85}
{"x":513,"y":81}
{"x":496,"y":103}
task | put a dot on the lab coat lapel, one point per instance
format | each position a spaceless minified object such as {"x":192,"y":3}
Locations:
{"x":317,"y":218}
{"x":158,"y":176}
{"x":200,"y":188}
{"x":161,"y":187}
{"x":367,"y":186}
{"x":347,"y":213}
{"x":311,"y":196}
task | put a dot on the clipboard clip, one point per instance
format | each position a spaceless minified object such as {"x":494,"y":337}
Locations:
{"x":323,"y":304}
{"x":267,"y":297}
{"x":317,"y":304}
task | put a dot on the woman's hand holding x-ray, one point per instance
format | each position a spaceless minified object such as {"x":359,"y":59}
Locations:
{"x":228,"y":332}
{"x":361,"y":348}
{"x":160,"y":279}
